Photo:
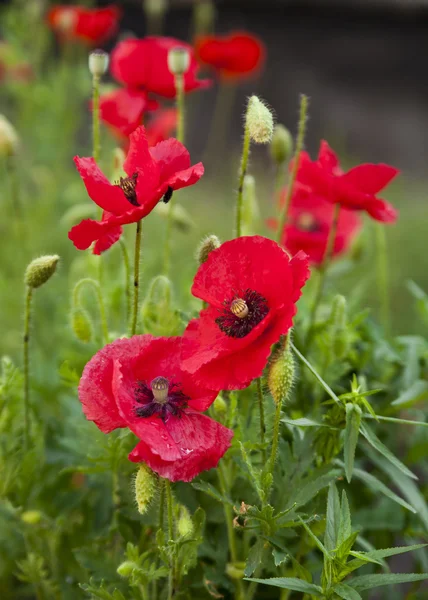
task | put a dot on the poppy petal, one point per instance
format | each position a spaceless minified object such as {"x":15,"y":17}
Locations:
{"x":109,"y":197}
{"x":370,"y":179}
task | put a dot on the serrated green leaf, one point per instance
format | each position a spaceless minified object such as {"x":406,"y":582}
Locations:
{"x":254,"y":557}
{"x":303,"y":422}
{"x":332,"y":518}
{"x":345,"y":547}
{"x":352,"y":430}
{"x":279,"y":557}
{"x":395,"y":420}
{"x":374,"y":441}
{"x":345,"y":525}
{"x":368,"y":582}
{"x":417,"y":392}
{"x":291,"y":583}
{"x":377,"y":555}
{"x":364,"y":557}
{"x":314,"y":538}
{"x":311,"y":489}
{"x":346,"y":592}
{"x":210,"y":490}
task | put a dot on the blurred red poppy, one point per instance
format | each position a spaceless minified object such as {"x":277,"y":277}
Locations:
{"x":91,"y":26}
{"x":123,"y":110}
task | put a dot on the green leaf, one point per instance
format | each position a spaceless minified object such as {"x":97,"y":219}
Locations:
{"x":368,"y":582}
{"x":291,"y":583}
{"x":377,"y":555}
{"x":332,"y":518}
{"x":210,"y":490}
{"x":395,"y":420}
{"x":372,"y":438}
{"x":315,"y":539}
{"x":279,"y":557}
{"x":345,"y":525}
{"x":346,"y":592}
{"x":417,"y":392}
{"x":345,"y":547}
{"x":303,"y":422}
{"x":314,"y":372}
{"x":312,"y":487}
{"x":353,"y":420}
{"x":254,"y":557}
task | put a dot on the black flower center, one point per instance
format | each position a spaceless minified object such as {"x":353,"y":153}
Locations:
{"x":160,"y":397}
{"x":128,"y":184}
{"x":306,"y":222}
{"x":241,"y":313}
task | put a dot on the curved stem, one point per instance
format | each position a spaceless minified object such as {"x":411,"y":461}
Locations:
{"x":26,"y":340}
{"x":242,"y":173}
{"x":96,"y":117}
{"x":382,"y":276}
{"x":171,"y":578}
{"x":262,"y":416}
{"x":97,"y":288}
{"x":136,"y":277}
{"x":127,"y":265}
{"x":301,"y":131}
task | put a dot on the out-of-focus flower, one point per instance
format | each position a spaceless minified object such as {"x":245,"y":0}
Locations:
{"x":123,"y":110}
{"x":90,"y":26}
{"x":139,"y":383}
{"x":233,"y":56}
{"x":251,"y":287}
{"x":161,"y":126}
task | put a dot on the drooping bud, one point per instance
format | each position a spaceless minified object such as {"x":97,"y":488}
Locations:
{"x":31,"y":517}
{"x":98,"y":62}
{"x":8,"y":138}
{"x":338,"y":327}
{"x":40,"y":270}
{"x":259,"y":121}
{"x":281,"y":147}
{"x":250,"y":208}
{"x":185,"y":524}
{"x":157,"y":313}
{"x":125,"y":569}
{"x":178,"y":60}
{"x":81,"y":325}
{"x":204,"y":14}
{"x":281,"y":374}
{"x":145,"y":485}
{"x":207,"y":245}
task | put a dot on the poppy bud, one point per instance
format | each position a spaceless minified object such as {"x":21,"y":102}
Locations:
{"x":235,"y":570}
{"x":219,"y":406}
{"x":40,"y":270}
{"x":281,"y":146}
{"x":281,"y":375}
{"x":207,"y":245}
{"x":125,"y":569}
{"x":145,"y":485}
{"x":81,"y":325}
{"x":154,"y":8}
{"x":185,"y":523}
{"x":31,"y":517}
{"x":98,"y":62}
{"x":8,"y":138}
{"x":259,"y":121}
{"x":178,"y":60}
{"x":250,"y":208}
{"x":204,"y":16}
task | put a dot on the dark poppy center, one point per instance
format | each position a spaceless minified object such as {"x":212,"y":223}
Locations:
{"x":241,"y":313}
{"x":128,"y":185}
{"x":306,"y":222}
{"x":160,"y":397}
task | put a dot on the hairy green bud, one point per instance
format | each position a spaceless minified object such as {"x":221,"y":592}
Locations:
{"x":259,"y":121}
{"x":145,"y":485}
{"x":125,"y":569}
{"x":185,"y":524}
{"x":281,"y":375}
{"x":219,"y":406}
{"x":40,"y":270}
{"x":281,"y":147}
{"x":81,"y":324}
{"x":31,"y":517}
{"x":207,"y":245}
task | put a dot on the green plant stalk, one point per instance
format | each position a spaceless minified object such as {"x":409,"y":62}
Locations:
{"x":160,"y":526}
{"x":301,"y":132}
{"x":96,"y":118}
{"x":171,"y":577}
{"x":383,"y":276}
{"x":242,"y":173}
{"x":137,"y":253}
{"x":221,"y":118}
{"x":127,"y":265}
{"x":97,"y":288}
{"x":228,"y":515}
{"x":12,"y":171}
{"x":328,"y":255}
{"x":262,"y":416}
{"x":26,"y":340}
{"x":179,"y":92}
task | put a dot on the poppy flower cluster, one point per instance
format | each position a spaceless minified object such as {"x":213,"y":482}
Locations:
{"x":151,"y":174}
{"x":91,"y":26}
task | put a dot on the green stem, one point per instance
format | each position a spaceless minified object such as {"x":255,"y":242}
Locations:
{"x":136,"y":277}
{"x":382,"y":276}
{"x":301,"y":131}
{"x":97,"y":288}
{"x":275,"y":444}
{"x":96,"y":117}
{"x":221,"y":118}
{"x":160,"y":526}
{"x":26,"y":340}
{"x":171,"y":578}
{"x":262,"y":417}
{"x":11,"y":166}
{"x":127,"y":265}
{"x":328,"y":255}
{"x":242,"y":173}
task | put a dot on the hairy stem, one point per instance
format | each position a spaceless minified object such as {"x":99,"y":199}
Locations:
{"x":97,"y":288}
{"x":383,"y":276}
{"x":171,"y":578}
{"x":242,"y":173}
{"x":127,"y":265}
{"x":96,"y":117}
{"x":136,"y":277}
{"x":262,"y":416}
{"x":26,"y":340}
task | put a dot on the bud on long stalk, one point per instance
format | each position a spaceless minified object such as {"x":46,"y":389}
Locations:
{"x":207,"y":245}
{"x":145,"y":486}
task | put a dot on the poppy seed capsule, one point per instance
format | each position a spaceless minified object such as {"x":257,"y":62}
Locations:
{"x":281,"y":146}
{"x":239,"y":308}
{"x":259,"y":121}
{"x":98,"y":62}
{"x":145,"y":485}
{"x":178,"y":61}
{"x":160,"y":386}
{"x":207,"y":245}
{"x":281,"y":375}
{"x":40,"y":270}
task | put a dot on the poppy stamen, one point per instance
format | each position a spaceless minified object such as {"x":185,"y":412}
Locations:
{"x":160,"y":398}
{"x":128,"y":185}
{"x":306,"y":222}
{"x":242,"y":313}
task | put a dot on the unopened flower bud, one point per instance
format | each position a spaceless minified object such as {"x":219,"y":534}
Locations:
{"x":235,"y":570}
{"x":250,"y":207}
{"x":219,"y":406}
{"x":259,"y":121}
{"x":155,"y":8}
{"x":81,"y":325}
{"x":40,"y":270}
{"x":185,"y":524}
{"x":125,"y":569}
{"x":8,"y":138}
{"x":204,"y":16}
{"x":178,"y":60}
{"x":31,"y":517}
{"x":281,"y":375}
{"x":207,"y":245}
{"x":281,"y":147}
{"x":145,"y":485}
{"x":98,"y":62}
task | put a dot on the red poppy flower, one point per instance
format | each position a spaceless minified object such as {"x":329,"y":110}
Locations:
{"x":123,"y":109}
{"x":152,"y":173}
{"x":91,"y":26}
{"x":355,"y":189}
{"x":309,"y":222}
{"x":138,"y":383}
{"x":144,"y":64}
{"x":233,"y":56}
{"x":251,"y":286}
